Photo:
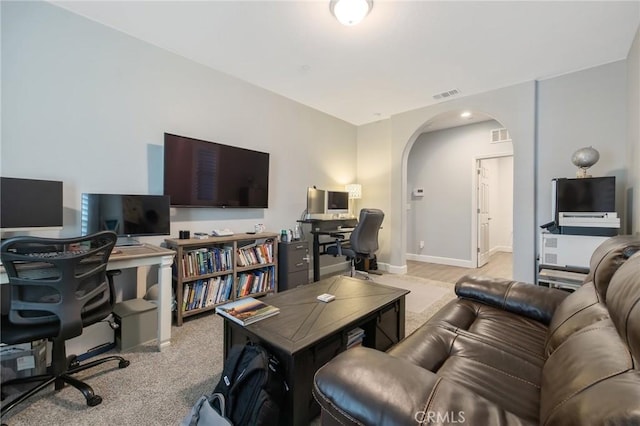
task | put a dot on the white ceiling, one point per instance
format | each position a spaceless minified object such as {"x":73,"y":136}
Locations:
{"x":402,"y":54}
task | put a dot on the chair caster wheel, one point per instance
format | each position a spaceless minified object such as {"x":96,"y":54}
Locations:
{"x":94,"y":400}
{"x":123,"y":364}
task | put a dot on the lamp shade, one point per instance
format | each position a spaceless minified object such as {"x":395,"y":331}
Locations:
{"x":350,"y":12}
{"x":355,"y":190}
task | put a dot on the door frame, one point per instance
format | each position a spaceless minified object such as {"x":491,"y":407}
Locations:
{"x":475,"y":163}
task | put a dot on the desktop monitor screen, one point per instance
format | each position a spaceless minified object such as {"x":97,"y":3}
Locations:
{"x":337,"y":202}
{"x":315,"y":201}
{"x":27,"y":204}
{"x":126,"y":215}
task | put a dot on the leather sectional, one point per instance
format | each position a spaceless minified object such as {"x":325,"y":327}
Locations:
{"x":506,"y":353}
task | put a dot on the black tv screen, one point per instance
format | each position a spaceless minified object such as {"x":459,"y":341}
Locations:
{"x":198,"y":173}
{"x":126,"y":215}
{"x":586,"y":195}
{"x":30,"y":203}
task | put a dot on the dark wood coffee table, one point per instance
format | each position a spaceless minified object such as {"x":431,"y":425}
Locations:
{"x":307,"y":333}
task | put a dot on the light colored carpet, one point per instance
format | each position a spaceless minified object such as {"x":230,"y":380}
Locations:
{"x":159,"y":388}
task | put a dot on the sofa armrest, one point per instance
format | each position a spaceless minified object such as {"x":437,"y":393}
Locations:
{"x":532,"y":301}
{"x":365,"y":386}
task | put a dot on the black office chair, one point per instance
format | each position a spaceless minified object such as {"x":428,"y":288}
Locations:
{"x":363,"y":242}
{"x":57,"y":287}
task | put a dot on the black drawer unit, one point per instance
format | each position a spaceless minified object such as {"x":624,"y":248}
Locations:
{"x":293,"y":266}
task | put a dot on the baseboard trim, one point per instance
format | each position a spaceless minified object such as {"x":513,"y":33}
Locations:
{"x":392,"y":269}
{"x":505,"y":249}
{"x":440,"y":260}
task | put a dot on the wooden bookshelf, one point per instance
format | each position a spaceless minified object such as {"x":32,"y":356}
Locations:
{"x":212,"y":271}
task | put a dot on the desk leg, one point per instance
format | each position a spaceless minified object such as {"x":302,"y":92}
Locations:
{"x":164,"y":302}
{"x":316,"y":257}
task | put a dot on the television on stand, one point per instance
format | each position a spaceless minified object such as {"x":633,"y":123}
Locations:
{"x":585,"y":206}
{"x":129,"y":216}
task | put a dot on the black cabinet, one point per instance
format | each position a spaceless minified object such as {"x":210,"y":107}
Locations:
{"x":293,"y":266}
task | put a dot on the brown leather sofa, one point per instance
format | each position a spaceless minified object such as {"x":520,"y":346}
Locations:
{"x":506,"y":353}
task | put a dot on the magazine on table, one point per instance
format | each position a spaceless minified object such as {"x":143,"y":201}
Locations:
{"x":247,"y":310}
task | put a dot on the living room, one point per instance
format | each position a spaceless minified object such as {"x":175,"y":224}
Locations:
{"x":102,"y":107}
{"x":88,"y":105}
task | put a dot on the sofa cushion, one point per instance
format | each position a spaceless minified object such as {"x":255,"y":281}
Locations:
{"x":494,"y":325}
{"x":490,"y":371}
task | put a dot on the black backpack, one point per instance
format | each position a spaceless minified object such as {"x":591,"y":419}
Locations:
{"x":253,"y":386}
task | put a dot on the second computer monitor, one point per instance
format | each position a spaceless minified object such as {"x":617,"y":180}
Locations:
{"x":337,"y":202}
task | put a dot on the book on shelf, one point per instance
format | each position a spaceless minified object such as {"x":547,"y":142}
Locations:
{"x":355,"y":337}
{"x":247,"y":311}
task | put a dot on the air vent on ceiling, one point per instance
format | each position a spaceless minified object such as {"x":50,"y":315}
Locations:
{"x":446,"y":94}
{"x":500,"y":135}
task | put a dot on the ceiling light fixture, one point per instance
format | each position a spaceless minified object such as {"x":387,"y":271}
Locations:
{"x":350,"y":12}
{"x":465,"y":114}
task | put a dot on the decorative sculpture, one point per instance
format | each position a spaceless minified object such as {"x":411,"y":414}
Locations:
{"x":585,"y":158}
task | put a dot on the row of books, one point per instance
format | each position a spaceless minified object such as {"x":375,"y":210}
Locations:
{"x":257,"y":281}
{"x":247,"y":311}
{"x":206,"y":261}
{"x":255,"y":254}
{"x":202,"y":293}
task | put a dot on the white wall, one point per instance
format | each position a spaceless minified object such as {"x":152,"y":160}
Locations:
{"x":442,"y":162}
{"x":586,"y":108}
{"x":88,"y":105}
{"x":633,"y":136}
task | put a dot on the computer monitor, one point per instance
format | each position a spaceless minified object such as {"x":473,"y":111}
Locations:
{"x":337,"y":202}
{"x":127,"y":215}
{"x":315,"y":202}
{"x":30,"y":204}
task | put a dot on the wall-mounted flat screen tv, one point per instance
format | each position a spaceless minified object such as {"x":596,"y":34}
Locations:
{"x":27,"y":204}
{"x":126,"y":215}
{"x":198,"y":173}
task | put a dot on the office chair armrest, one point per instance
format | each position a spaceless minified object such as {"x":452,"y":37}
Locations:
{"x":339,"y":239}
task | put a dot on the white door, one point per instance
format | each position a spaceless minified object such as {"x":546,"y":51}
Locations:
{"x":483,"y":214}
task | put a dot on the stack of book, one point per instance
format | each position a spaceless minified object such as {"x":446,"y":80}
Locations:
{"x":257,"y":281}
{"x":206,"y":261}
{"x":355,"y":337}
{"x":247,"y":311}
{"x":255,"y":254}
{"x":207,"y":292}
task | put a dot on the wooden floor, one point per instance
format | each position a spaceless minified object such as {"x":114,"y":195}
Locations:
{"x":500,"y":265}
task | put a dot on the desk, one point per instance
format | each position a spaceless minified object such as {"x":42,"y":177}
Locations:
{"x":325,"y":227}
{"x":145,"y":255}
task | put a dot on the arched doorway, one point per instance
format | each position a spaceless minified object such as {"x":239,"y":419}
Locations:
{"x":458,"y":175}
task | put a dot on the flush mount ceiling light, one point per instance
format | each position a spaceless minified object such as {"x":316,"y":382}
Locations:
{"x":350,"y":12}
{"x":466,"y":114}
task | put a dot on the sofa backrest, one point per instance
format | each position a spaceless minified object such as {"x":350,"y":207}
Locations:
{"x":607,"y":258}
{"x":623,"y":300}
{"x":587,"y":305}
{"x":593,"y":376}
